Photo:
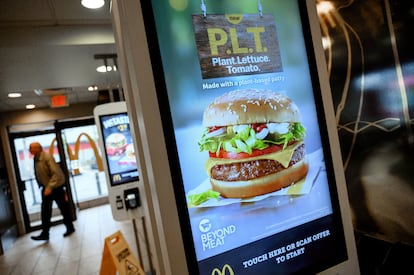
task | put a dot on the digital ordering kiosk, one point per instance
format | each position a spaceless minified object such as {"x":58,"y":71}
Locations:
{"x":242,"y":169}
{"x":117,"y":146}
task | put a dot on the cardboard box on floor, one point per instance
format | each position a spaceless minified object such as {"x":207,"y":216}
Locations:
{"x":117,"y":256}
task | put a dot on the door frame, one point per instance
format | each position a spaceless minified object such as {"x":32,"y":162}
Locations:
{"x":20,"y":183}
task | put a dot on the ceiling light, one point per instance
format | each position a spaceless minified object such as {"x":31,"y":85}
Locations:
{"x":92,"y":4}
{"x":324,"y":7}
{"x":30,"y":106}
{"x":104,"y":69}
{"x":109,"y":62}
{"x":92,"y":88}
{"x":14,"y":95}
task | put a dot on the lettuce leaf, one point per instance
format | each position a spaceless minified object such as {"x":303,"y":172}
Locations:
{"x":246,"y":140}
{"x":197,"y":199}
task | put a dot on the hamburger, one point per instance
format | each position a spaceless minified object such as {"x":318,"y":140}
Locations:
{"x":255,"y":142}
{"x":116,"y":144}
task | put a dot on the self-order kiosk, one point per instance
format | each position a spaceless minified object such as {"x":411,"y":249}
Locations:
{"x":118,"y":152}
{"x":232,"y":96}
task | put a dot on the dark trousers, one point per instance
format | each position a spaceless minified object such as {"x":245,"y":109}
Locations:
{"x":59,"y":196}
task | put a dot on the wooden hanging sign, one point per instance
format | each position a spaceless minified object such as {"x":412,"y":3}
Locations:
{"x":236,"y":44}
{"x":118,"y":257}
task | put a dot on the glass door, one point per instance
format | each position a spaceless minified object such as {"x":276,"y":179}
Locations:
{"x":30,"y":193}
{"x":73,"y":144}
{"x":84,"y":162}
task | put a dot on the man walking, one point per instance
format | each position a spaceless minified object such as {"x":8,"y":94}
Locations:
{"x":50,"y":177}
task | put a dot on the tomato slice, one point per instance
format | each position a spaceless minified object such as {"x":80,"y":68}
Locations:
{"x":214,"y":128}
{"x":258,"y":127}
{"x":243,"y":155}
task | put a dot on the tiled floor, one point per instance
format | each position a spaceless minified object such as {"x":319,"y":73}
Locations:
{"x":80,"y":253}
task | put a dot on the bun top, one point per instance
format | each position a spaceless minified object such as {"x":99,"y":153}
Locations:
{"x":115,"y":137}
{"x":250,"y":106}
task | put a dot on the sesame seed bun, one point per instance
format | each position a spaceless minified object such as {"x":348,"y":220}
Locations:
{"x":250,"y":106}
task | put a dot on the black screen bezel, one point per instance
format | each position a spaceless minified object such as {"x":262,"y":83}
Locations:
{"x":110,"y":172}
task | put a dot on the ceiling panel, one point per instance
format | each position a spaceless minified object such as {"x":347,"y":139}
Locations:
{"x":50,"y":44}
{"x":55,"y":12}
{"x":23,"y":11}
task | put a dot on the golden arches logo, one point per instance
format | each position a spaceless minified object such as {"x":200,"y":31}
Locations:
{"x":75,"y":155}
{"x":94,"y":148}
{"x":226,"y":270}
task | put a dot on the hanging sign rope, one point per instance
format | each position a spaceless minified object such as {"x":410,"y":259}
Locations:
{"x":259,"y":8}
{"x":204,"y":8}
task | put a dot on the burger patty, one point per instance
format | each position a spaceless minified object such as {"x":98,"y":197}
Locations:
{"x":241,"y":171}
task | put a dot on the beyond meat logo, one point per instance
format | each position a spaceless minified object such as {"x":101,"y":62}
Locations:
{"x":212,"y":237}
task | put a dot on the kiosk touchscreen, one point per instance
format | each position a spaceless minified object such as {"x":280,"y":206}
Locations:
{"x":249,"y":130}
{"x":120,"y":162}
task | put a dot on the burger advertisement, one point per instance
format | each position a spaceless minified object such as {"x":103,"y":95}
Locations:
{"x":250,"y":137}
{"x":119,"y":148}
{"x":255,"y":142}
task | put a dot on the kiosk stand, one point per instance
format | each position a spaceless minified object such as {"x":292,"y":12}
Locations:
{"x":197,"y":74}
{"x":121,"y":169}
{"x":118,"y":150}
